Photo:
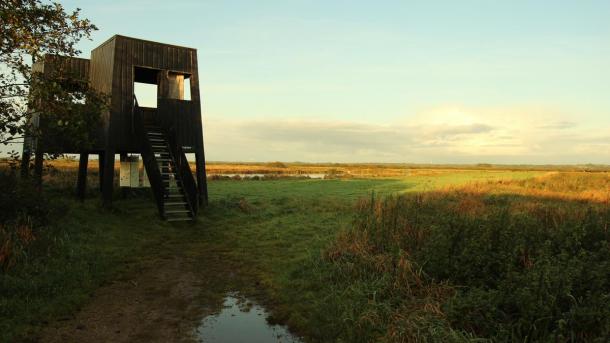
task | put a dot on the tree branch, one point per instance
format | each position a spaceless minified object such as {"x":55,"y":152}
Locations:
{"x":15,"y":85}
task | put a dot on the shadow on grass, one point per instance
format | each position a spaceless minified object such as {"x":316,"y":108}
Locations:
{"x":456,"y":265}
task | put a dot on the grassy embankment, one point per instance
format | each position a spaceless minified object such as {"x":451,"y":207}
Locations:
{"x":278,"y":237}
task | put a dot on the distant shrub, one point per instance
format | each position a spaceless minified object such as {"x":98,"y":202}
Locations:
{"x":276,"y":164}
{"x":333,"y":173}
{"x":218,"y":177}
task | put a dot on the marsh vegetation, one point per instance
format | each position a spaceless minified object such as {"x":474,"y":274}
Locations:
{"x":434,"y":255}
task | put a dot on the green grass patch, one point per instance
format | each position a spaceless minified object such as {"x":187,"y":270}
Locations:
{"x":272,"y":231}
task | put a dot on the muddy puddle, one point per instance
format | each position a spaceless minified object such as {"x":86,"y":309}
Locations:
{"x":241,"y":320}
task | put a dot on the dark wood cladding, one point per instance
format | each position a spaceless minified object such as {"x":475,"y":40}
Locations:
{"x":185,"y":120}
{"x":102,"y":66}
{"x":111,"y":71}
{"x":130,"y":53}
{"x":76,"y":67}
{"x":73,"y":73}
{"x":101,"y":79}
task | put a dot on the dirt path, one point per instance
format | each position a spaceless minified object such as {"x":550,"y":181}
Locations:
{"x":163,"y":303}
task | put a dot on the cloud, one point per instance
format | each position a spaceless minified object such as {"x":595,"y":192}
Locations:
{"x":304,"y":139}
{"x":440,"y":135}
{"x":448,"y":131}
{"x":448,"y":134}
{"x":560,"y":125}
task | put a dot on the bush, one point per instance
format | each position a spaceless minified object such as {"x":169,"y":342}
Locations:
{"x":521,"y":268}
{"x":21,"y":199}
{"x":25,"y":212}
{"x":277,"y":164}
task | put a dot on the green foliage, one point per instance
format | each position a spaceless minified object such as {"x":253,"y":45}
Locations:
{"x":24,"y":216}
{"x":29,"y":30}
{"x":68,"y":260}
{"x":522,"y":267}
{"x":20,"y":198}
{"x":69,"y":110}
{"x":370,"y":283}
{"x":270,"y":228}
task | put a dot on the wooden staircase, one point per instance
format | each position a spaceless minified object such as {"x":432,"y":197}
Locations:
{"x":175,"y":203}
{"x":168,"y":170}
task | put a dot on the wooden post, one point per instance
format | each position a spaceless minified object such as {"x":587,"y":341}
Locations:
{"x":25,"y":163}
{"x":175,"y":86}
{"x":108,"y":181}
{"x":38,"y":159}
{"x":100,"y":162}
{"x":202,"y":185}
{"x":81,"y":183}
{"x":124,"y":190}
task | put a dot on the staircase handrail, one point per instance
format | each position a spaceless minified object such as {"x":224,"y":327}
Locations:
{"x":183,"y":171}
{"x":148,"y":157}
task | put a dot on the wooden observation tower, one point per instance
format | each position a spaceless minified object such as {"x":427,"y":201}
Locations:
{"x":161,"y":135}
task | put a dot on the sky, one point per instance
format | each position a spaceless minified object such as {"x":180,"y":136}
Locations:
{"x":388,"y":81}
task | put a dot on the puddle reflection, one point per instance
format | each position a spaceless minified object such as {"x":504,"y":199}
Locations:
{"x":241,"y":320}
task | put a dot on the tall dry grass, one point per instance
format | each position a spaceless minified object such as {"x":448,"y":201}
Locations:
{"x":503,"y":260}
{"x":594,"y":187}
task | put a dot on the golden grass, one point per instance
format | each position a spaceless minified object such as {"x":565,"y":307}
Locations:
{"x":427,"y":254}
{"x":580,"y":186}
{"x":345,"y":170}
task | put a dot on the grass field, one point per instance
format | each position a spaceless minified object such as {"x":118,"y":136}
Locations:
{"x":337,"y":260}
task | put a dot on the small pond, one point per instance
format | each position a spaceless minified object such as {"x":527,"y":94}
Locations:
{"x":241,"y":320}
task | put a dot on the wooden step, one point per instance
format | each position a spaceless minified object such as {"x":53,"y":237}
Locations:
{"x":177,"y":211}
{"x":179,"y":219}
{"x":179,"y":203}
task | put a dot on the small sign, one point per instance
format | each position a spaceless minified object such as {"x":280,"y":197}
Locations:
{"x":129,"y":175}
